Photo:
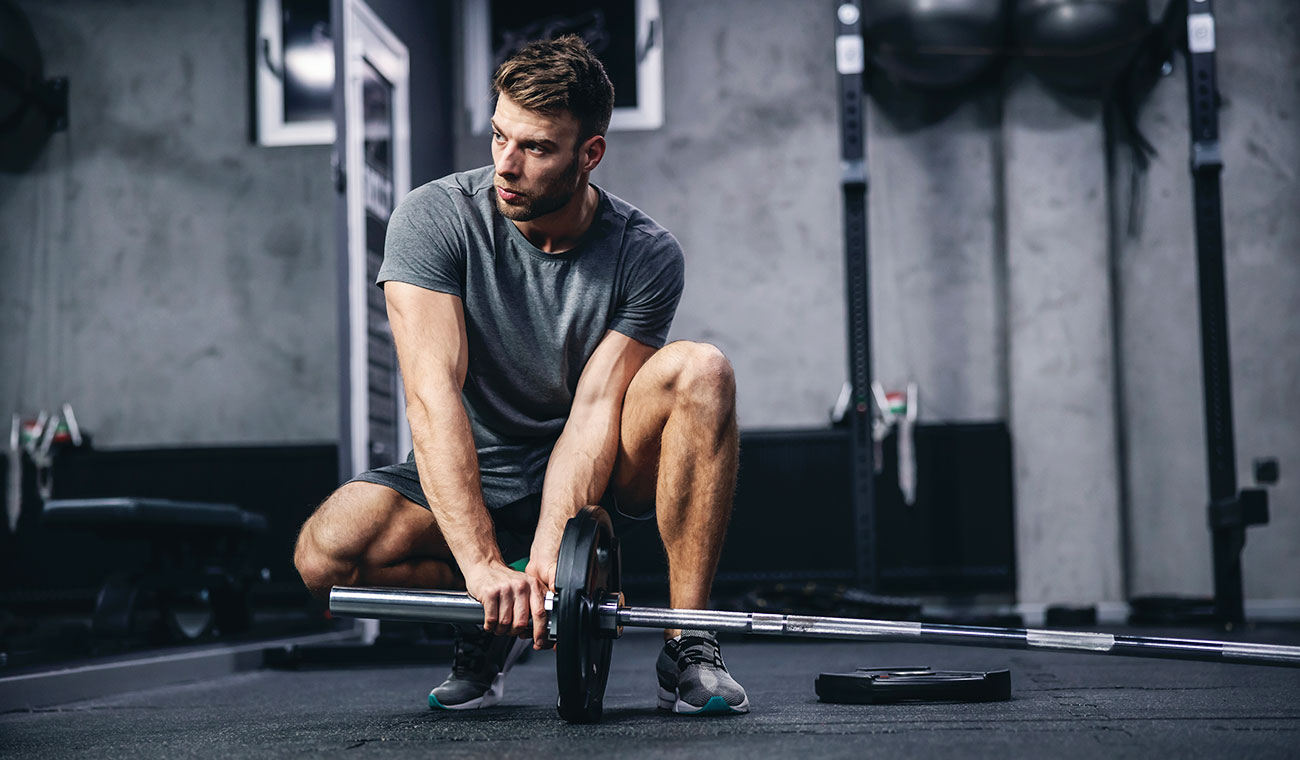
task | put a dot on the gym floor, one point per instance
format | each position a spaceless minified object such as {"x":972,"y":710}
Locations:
{"x":1063,"y":705}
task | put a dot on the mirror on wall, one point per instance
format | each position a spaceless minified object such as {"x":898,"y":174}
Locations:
{"x":293,"y":61}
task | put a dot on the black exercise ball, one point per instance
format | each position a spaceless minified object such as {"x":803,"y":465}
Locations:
{"x":1079,"y":46}
{"x":934,"y":44}
{"x":24,"y":126}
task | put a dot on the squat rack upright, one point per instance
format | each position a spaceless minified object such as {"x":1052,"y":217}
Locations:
{"x":1231,"y":510}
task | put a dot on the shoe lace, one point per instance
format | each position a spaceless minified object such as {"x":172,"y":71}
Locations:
{"x":469,"y":653}
{"x":700,"y":651}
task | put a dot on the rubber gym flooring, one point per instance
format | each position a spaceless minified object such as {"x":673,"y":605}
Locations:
{"x":1063,"y":706}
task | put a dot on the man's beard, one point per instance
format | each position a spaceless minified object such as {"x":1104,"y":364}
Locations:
{"x":552,"y":196}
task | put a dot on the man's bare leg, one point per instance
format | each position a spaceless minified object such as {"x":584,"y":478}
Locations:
{"x":368,"y":534}
{"x":679,"y":451}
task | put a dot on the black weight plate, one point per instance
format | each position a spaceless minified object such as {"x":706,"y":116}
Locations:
{"x":875,"y":686}
{"x":587,"y":569}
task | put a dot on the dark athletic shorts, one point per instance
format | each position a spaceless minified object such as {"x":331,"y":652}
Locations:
{"x":515,"y":522}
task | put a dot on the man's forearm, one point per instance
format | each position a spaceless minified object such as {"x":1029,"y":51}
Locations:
{"x":578,"y":472}
{"x":448,"y":464}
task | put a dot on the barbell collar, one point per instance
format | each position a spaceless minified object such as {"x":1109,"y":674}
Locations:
{"x":607,"y":615}
{"x":551,"y":625}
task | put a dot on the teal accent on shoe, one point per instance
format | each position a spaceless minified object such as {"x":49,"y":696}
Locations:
{"x":715,"y":706}
{"x":519,"y":564}
{"x":434,"y":704}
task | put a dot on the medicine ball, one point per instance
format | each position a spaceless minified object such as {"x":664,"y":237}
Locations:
{"x":935,"y":44}
{"x":24,"y":125}
{"x":1079,"y":46}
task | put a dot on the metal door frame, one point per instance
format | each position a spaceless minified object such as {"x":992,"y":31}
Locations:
{"x":364,"y":39}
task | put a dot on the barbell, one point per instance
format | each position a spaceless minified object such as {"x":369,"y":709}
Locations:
{"x":586,"y":612}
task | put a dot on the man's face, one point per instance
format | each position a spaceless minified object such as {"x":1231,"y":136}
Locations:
{"x":536,"y":159}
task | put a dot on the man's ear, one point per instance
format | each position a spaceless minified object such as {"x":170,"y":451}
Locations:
{"x":591,"y":152}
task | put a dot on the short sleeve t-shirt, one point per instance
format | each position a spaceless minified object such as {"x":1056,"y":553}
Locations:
{"x":532,"y":319}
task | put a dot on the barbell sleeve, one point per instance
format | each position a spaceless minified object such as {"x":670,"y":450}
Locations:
{"x":406,"y":604}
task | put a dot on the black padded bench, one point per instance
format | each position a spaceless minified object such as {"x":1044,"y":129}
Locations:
{"x":196,"y":578}
{"x":162,"y":515}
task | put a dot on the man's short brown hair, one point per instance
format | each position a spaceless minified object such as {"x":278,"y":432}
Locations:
{"x":551,"y":76}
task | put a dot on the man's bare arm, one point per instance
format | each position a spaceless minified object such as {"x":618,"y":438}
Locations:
{"x":583,"y":458}
{"x":429,"y":331}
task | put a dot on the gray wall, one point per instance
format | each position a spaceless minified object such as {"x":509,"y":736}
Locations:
{"x":175,"y":282}
{"x":1259,"y":57}
{"x":999,"y":282}
{"x":171,"y":280}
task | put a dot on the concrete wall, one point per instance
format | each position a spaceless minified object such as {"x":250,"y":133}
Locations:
{"x":169,"y":278}
{"x":1258,"y":57}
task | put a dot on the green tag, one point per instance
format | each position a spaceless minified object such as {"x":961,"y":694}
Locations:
{"x":519,"y":564}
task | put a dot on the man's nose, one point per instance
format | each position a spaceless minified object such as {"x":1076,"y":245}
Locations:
{"x":507,"y":161}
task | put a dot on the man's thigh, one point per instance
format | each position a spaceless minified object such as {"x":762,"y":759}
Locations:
{"x":386,"y":527}
{"x":646,"y":406}
{"x":375,"y":524}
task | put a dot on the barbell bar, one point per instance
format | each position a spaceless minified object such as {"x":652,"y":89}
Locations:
{"x":611,"y":615}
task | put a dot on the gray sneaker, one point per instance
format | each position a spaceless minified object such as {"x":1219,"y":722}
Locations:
{"x":693,"y":680}
{"x":480,"y":661}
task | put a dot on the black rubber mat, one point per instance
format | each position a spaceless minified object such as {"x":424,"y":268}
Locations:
{"x":1062,"y":705}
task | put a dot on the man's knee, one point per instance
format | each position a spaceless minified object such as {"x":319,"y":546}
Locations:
{"x":332,"y":542}
{"x":320,"y":571}
{"x":705,"y":379}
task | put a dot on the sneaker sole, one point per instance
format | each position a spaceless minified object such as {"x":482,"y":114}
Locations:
{"x":715,"y":706}
{"x":496,"y":690}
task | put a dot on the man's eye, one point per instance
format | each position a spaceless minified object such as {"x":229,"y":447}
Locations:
{"x":497,"y":136}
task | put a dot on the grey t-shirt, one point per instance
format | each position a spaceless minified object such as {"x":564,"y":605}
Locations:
{"x":532,"y":319}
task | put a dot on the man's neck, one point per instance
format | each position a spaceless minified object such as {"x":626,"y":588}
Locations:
{"x":561,"y":229}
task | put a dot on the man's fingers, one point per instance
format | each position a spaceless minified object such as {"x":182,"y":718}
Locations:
{"x":489,"y":602}
{"x":505,"y":611}
{"x":519,"y":625}
{"x":539,"y":615}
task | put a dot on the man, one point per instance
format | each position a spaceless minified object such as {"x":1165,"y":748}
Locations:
{"x":530,"y":310}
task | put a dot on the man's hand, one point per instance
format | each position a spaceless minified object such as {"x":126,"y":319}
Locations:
{"x":542,"y":567}
{"x":544,"y":554}
{"x":513,"y":602}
